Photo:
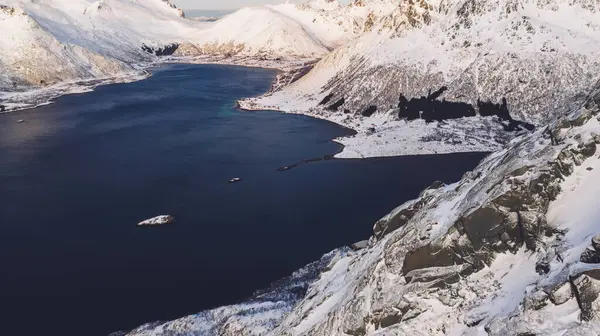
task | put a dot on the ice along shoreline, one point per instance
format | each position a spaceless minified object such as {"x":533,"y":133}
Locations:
{"x":14,"y":101}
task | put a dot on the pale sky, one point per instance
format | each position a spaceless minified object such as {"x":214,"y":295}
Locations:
{"x":221,"y":4}
{"x":228,"y":4}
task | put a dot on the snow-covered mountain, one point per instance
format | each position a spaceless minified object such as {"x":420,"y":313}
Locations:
{"x":49,"y":42}
{"x":511,"y":249}
{"x":529,"y":52}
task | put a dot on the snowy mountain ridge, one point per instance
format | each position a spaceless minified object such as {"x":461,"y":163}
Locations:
{"x":90,"y":40}
{"x":511,"y":249}
{"x":526,"y":52}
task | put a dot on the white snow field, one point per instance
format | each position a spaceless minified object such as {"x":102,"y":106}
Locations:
{"x":507,"y":250}
{"x":511,"y":249}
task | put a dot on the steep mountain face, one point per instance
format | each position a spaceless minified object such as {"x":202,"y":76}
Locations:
{"x":30,"y":56}
{"x":481,"y":51}
{"x":511,"y":249}
{"x":63,"y":41}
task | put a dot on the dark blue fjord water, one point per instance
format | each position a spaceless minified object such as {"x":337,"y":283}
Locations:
{"x":77,"y":176}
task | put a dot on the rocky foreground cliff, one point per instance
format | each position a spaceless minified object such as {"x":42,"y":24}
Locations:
{"x":511,"y":249}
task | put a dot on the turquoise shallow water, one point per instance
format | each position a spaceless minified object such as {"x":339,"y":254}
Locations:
{"x":78,"y":175}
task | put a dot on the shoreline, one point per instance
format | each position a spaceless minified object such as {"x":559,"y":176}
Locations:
{"x":15,"y":101}
{"x":380,"y":135}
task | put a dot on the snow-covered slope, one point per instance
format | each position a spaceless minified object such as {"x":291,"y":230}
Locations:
{"x":48,"y":42}
{"x":531,"y":53}
{"x":511,"y":249}
{"x":31,"y":56}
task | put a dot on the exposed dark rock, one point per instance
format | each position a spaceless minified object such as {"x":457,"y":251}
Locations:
{"x":436,"y":185}
{"x":356,"y":332}
{"x":392,"y":223}
{"x":369,"y":111}
{"x":511,"y":200}
{"x":431,"y":109}
{"x":501,"y":111}
{"x":326,"y":99}
{"x":590,"y":256}
{"x":531,"y":225}
{"x":389,"y":320}
{"x":594,"y":273}
{"x":596,"y":242}
{"x":471,"y":324}
{"x":360,"y":245}
{"x":346,"y":111}
{"x":439,"y":277}
{"x":166,"y":50}
{"x":587,"y":291}
{"x":324,"y":158}
{"x":403,"y":311}
{"x":2,"y":108}
{"x":287,"y":77}
{"x":483,"y":226}
{"x":294,"y":76}
{"x":431,"y":255}
{"x":336,"y":105}
{"x":488,"y":109}
{"x":561,"y":294}
{"x":542,"y":268}
{"x":553,"y":138}
{"x":581,"y":119}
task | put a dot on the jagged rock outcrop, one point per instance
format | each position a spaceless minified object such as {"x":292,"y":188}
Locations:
{"x":497,"y":252}
{"x":591,"y":255}
{"x":481,"y":51}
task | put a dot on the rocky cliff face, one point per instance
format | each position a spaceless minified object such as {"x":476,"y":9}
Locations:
{"x":525,"y":52}
{"x":511,"y":249}
{"x":480,"y":50}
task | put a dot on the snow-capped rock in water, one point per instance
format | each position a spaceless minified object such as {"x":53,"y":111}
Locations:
{"x":158,"y":220}
{"x":504,"y":251}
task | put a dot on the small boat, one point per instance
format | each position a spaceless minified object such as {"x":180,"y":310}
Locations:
{"x":235,"y":179}
{"x":20,"y":121}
